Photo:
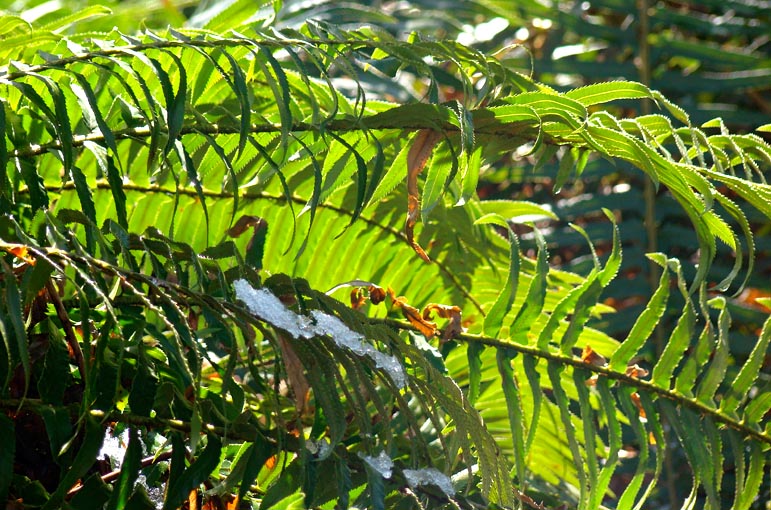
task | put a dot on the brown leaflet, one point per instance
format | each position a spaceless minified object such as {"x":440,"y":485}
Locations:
{"x":243,"y":223}
{"x":453,"y":313}
{"x":22,"y":253}
{"x":295,"y":374}
{"x":67,"y":325}
{"x":420,"y":321}
{"x":376,"y":294}
{"x":591,"y":357}
{"x":635,"y":397}
{"x":224,"y":502}
{"x":412,"y":314}
{"x":357,"y":298}
{"x":417,"y":158}
{"x":636,"y":371}
{"x":528,"y":500}
{"x":192,"y":499}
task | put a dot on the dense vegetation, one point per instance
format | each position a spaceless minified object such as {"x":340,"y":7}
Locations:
{"x":319,"y":263}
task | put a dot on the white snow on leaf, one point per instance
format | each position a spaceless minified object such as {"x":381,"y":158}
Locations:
{"x":416,"y":477}
{"x":263,"y":304}
{"x":266,"y":306}
{"x":342,"y":335}
{"x":345,"y":337}
{"x":114,"y":448}
{"x":321,"y":448}
{"x":382,"y":464}
{"x":391,"y":366}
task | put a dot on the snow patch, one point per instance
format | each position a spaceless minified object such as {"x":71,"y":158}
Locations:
{"x":264,"y":305}
{"x":382,"y":464}
{"x":340,"y":333}
{"x":320,"y":449}
{"x":390,"y":365}
{"x":114,"y":448}
{"x":425,"y":476}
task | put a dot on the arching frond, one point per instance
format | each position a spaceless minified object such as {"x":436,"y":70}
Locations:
{"x":176,"y":205}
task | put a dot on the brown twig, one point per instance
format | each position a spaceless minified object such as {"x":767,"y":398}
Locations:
{"x":113,"y":475}
{"x":69,"y":330}
{"x":528,"y":500}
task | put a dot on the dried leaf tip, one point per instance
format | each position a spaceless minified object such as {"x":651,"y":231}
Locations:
{"x":421,"y":149}
{"x":451,"y":312}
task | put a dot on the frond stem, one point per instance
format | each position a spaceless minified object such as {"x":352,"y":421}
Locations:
{"x":526,"y":130}
{"x":575,"y":362}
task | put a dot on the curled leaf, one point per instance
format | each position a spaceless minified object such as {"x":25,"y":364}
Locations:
{"x":636,"y":371}
{"x":21,"y":252}
{"x":413,"y":315}
{"x":244,"y":222}
{"x":453,"y":313}
{"x":376,"y":294}
{"x":357,"y":298}
{"x":256,"y":245}
{"x":417,"y":158}
{"x":591,"y":357}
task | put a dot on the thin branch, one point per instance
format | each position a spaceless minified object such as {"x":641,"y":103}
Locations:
{"x":238,"y":312}
{"x":525,"y":130}
{"x":69,"y":331}
{"x":113,"y":475}
{"x":640,"y":384}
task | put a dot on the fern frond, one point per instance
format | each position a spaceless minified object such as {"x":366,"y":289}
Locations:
{"x":162,"y":178}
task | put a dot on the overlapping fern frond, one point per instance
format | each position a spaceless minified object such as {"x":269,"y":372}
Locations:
{"x":145,"y":174}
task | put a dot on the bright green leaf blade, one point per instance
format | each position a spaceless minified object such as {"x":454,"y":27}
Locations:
{"x":737,"y":391}
{"x":514,"y":408}
{"x":532,"y":307}
{"x":502,"y":306}
{"x":678,"y":342}
{"x":474,"y":356}
{"x":598,"y":93}
{"x":643,"y":327}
